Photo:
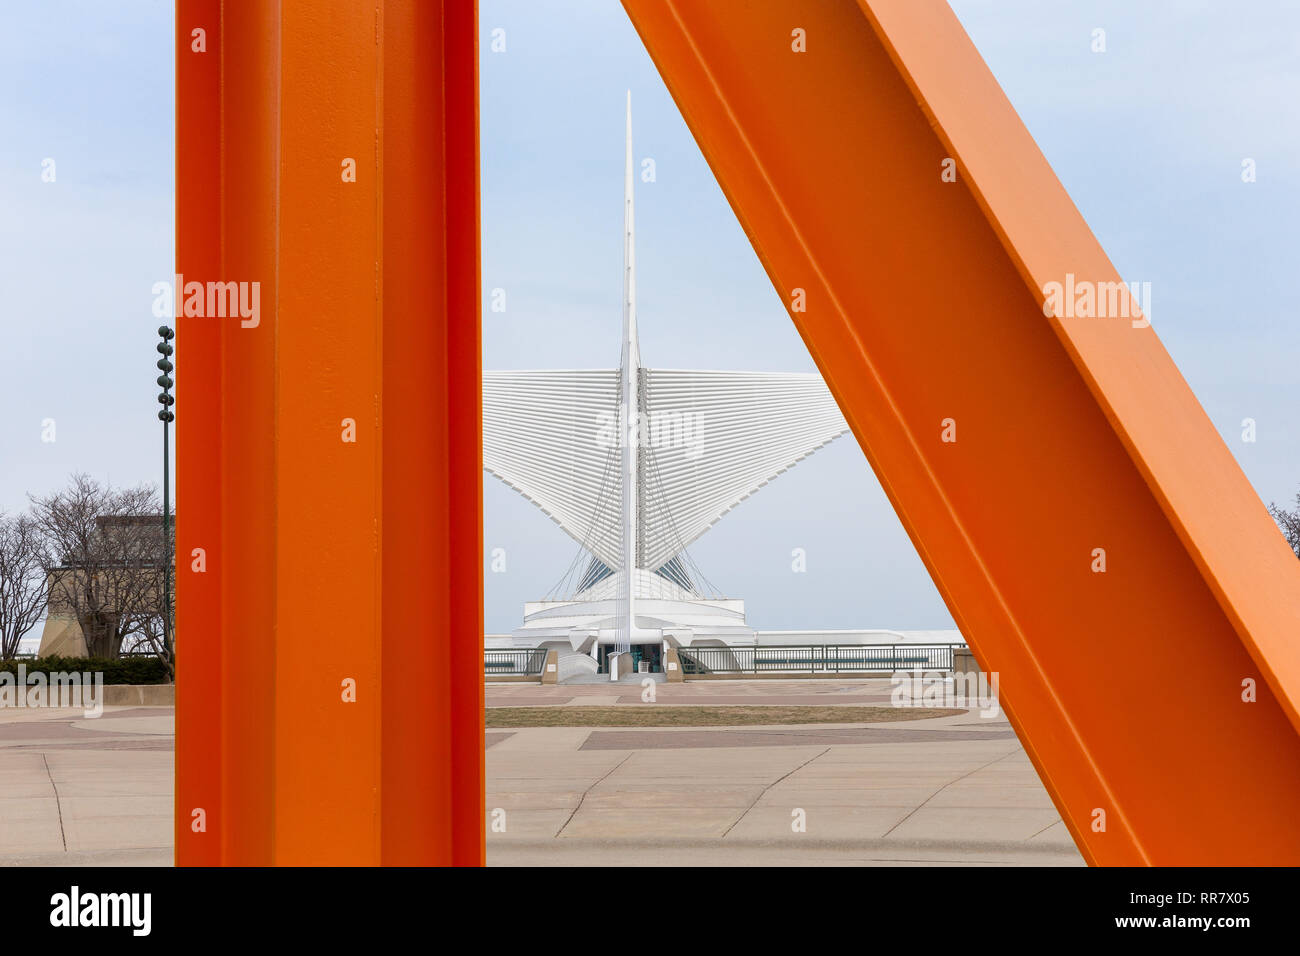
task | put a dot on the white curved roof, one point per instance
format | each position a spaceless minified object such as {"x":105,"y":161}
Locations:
{"x":710,"y":440}
{"x":748,"y":428}
{"x":541,"y":436}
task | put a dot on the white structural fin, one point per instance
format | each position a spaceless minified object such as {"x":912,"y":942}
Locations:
{"x":715,"y":439}
{"x":553,"y":437}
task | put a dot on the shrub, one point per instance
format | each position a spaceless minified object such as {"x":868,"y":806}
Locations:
{"x":128,"y":670}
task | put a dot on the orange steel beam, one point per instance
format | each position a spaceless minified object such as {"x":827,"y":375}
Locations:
{"x":925,"y":302}
{"x":330,"y":697}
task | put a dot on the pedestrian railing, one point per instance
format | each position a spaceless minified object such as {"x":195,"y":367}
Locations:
{"x":816,"y":658}
{"x":528,"y":662}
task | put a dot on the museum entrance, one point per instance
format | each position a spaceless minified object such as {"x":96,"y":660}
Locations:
{"x":652,"y":655}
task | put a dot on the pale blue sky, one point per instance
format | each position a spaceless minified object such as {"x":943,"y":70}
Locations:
{"x":1147,"y":137}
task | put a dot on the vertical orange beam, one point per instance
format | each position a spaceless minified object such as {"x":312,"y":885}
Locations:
{"x":248,"y":140}
{"x":328,"y":712}
{"x":462,"y":409}
{"x":198,"y":439}
{"x":329,"y":463}
{"x":433,"y":420}
{"x":829,"y":126}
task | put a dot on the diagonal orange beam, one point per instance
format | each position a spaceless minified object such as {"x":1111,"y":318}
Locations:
{"x":830,"y":126}
{"x":329,"y":700}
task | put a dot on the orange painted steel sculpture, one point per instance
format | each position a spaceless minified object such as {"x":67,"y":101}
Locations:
{"x":330,"y":707}
{"x":1093,"y":537}
{"x":1077,"y":440}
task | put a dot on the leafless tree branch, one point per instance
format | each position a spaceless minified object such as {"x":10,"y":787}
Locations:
{"x":1289,"y":522}
{"x":104,"y":558}
{"x":23,"y":582}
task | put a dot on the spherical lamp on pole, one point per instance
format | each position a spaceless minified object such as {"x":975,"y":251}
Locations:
{"x":166,"y":416}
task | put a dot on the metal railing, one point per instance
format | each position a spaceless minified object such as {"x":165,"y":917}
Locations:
{"x":528,"y":662}
{"x":816,"y":658}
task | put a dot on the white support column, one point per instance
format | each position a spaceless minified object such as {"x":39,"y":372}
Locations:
{"x":629,"y":367}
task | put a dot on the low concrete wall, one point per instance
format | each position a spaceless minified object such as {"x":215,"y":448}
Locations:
{"x":139,"y":695}
{"x":673,"y":666}
{"x":618,"y":663}
{"x":551,"y":669}
{"x":963,"y":661}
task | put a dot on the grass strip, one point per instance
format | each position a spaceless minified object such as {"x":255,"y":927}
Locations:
{"x":681,"y":715}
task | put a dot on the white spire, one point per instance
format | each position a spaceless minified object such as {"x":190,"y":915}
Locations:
{"x":631,"y":349}
{"x":629,"y":406}
{"x":538,"y":438}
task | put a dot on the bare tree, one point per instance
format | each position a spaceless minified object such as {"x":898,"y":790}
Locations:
{"x":104,"y":557}
{"x":23,"y":582}
{"x":1289,"y":522}
{"x":150,"y":636}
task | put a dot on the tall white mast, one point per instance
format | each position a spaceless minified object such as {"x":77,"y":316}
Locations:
{"x":628,"y":368}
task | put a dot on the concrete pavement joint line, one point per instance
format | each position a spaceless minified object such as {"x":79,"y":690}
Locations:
{"x":58,"y":804}
{"x":769,"y":787}
{"x":591,"y":788}
{"x":1045,"y":829}
{"x":945,"y":787}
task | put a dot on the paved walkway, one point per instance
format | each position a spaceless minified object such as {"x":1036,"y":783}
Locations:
{"x":705,"y":692}
{"x":86,"y":792}
{"x":953,"y":790}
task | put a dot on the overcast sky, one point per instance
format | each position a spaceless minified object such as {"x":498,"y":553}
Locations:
{"x":1148,"y":138}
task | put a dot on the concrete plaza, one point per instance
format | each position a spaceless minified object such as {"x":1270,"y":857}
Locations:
{"x":949,"y":790}
{"x":75,"y":791}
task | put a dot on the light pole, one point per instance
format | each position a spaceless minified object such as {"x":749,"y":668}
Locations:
{"x":166,"y":416}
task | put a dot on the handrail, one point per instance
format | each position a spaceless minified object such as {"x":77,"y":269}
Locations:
{"x":816,"y":658}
